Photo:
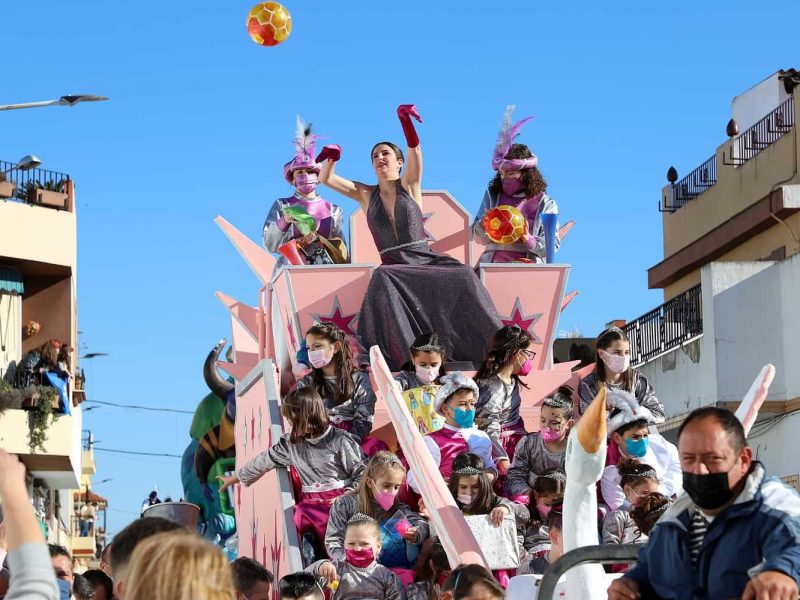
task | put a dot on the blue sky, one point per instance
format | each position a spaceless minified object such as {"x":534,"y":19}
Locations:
{"x":201,"y":119}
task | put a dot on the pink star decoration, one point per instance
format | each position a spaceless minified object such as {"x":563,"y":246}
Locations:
{"x":526,"y":322}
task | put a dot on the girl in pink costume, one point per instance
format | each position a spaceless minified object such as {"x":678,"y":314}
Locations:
{"x":519,"y":183}
{"x":303,"y":173}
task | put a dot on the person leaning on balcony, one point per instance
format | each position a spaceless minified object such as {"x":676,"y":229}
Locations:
{"x":32,"y":576}
{"x":734,"y":534}
{"x":613,"y":369}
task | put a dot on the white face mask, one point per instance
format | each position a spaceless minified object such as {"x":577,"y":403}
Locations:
{"x":616,"y":364}
{"x":427,"y":374}
{"x":319,"y":358}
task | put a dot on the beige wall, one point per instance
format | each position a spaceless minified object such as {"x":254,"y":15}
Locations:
{"x":758,"y":247}
{"x":53,"y":308}
{"x":736,"y":189}
{"x":60,"y":464}
{"x":37,"y":233}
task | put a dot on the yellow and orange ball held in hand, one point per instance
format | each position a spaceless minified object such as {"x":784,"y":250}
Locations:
{"x":269,"y":23}
{"x":504,"y":224}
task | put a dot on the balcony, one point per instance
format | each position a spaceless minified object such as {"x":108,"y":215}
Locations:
{"x":667,"y":327}
{"x":59,"y":463}
{"x":38,"y":187}
{"x":730,"y":207}
{"x":37,"y":221}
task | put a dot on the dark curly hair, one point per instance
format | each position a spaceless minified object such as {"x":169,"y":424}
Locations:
{"x":533,"y":182}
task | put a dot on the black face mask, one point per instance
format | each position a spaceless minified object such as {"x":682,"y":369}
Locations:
{"x":709,"y":491}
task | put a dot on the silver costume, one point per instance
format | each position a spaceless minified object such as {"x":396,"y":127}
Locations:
{"x":531,"y":458}
{"x":620,"y":528}
{"x":359,"y":410}
{"x":374,"y":582}
{"x":331,"y":461}
{"x":497,"y":408}
{"x":642,"y":390}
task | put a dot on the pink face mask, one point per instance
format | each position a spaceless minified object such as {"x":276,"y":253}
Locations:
{"x":384,"y":499}
{"x":616,"y":364}
{"x":427,"y":374}
{"x":512,"y":185}
{"x":527,"y":366}
{"x":306,"y":183}
{"x":550,"y":435}
{"x":319,"y":358}
{"x":543,"y":509}
{"x":360,"y":558}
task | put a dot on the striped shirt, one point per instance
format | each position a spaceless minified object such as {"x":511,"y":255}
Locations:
{"x":697,"y":532}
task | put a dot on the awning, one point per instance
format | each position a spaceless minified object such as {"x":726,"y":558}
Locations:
{"x":11,"y":282}
{"x":81,"y":496}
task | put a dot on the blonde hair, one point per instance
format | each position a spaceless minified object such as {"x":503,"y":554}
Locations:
{"x":379,"y":464}
{"x":178,"y":566}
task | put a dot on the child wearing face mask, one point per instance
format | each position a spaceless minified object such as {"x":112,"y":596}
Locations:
{"x":637,"y":480}
{"x":631,"y":437}
{"x":327,"y":460}
{"x":433,"y":568}
{"x":402,"y":530}
{"x":474,"y":495}
{"x":455,"y":401}
{"x":544,"y":449}
{"x":498,"y":379}
{"x":538,"y":565}
{"x":546,"y":492}
{"x":428,"y":356}
{"x":419,"y":379}
{"x":359,"y":575}
{"x":346,"y":391}
{"x":613,"y":370}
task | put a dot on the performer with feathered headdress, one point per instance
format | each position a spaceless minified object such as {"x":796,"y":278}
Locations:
{"x":519,"y":184}
{"x":312,"y":221}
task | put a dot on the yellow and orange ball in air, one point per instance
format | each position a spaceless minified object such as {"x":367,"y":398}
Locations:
{"x":269,"y":23}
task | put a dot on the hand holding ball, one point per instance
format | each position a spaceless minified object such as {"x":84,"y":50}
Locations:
{"x":504,"y":224}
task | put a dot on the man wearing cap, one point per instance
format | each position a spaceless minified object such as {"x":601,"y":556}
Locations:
{"x":734,"y":534}
{"x":302,"y":172}
{"x":629,"y":430}
{"x":455,"y":400}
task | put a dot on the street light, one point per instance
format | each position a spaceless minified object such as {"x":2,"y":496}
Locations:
{"x":70,"y":100}
{"x":26,"y":163}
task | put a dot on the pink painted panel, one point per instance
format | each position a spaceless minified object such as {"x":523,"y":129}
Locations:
{"x":265,"y":532}
{"x":454,"y":533}
{"x":285,"y":327}
{"x":530,"y":296}
{"x":447,"y":225}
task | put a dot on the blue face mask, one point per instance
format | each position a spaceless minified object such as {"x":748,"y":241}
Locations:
{"x":63,"y":588}
{"x":464,"y":418}
{"x":637,"y":448}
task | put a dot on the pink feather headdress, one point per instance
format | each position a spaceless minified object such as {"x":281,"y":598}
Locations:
{"x":305,"y":149}
{"x":505,"y":138}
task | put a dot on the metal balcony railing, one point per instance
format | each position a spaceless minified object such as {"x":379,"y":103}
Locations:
{"x":691,"y":186}
{"x":764,"y":133}
{"x":669,"y":326}
{"x":31,"y":179}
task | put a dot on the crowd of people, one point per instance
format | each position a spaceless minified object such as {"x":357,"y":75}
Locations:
{"x":363,"y":527}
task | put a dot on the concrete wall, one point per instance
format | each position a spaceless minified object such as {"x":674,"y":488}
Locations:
{"x":751,"y":106}
{"x":55,"y":309}
{"x":777,"y":448}
{"x":37,"y":233}
{"x":758,"y":247}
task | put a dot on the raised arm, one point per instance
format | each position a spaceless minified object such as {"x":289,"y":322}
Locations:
{"x":352,"y":189}
{"x":412,"y":175}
